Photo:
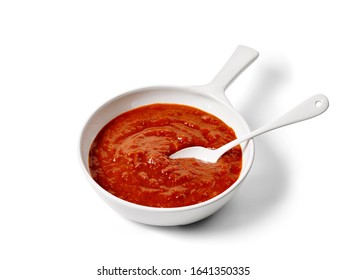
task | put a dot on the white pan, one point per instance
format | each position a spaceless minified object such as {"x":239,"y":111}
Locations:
{"x":210,"y":98}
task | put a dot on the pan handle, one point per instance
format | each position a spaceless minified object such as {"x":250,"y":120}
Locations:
{"x":238,"y":62}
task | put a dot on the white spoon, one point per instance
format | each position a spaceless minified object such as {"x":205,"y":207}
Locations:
{"x":310,"y":108}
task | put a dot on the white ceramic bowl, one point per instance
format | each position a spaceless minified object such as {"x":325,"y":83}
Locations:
{"x":209,"y":98}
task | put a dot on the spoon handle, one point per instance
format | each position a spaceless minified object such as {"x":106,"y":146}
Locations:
{"x":310,"y":108}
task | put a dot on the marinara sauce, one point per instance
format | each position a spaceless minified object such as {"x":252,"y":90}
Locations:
{"x":130,"y":156}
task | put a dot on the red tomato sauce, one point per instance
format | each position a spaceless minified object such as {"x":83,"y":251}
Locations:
{"x":130,"y":156}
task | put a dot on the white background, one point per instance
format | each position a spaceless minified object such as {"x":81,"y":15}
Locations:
{"x":60,"y":60}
